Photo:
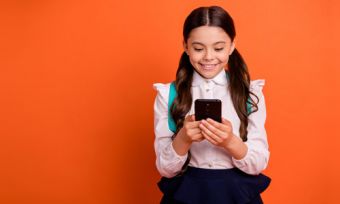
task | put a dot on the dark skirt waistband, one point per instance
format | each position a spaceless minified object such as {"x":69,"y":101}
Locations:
{"x":211,"y":173}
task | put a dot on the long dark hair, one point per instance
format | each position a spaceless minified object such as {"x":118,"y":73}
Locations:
{"x":237,"y":70}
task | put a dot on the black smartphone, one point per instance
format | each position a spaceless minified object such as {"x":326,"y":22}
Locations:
{"x":208,"y":108}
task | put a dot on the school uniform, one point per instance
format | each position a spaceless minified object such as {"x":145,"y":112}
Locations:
{"x":213,"y":176}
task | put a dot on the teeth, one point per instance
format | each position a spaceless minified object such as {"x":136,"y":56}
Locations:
{"x":208,"y":66}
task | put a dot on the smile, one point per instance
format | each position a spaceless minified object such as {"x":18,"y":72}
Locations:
{"x":208,"y":66}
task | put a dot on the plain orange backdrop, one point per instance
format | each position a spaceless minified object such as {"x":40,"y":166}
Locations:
{"x":76,"y":108}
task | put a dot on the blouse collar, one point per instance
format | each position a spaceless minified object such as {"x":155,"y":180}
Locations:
{"x":219,"y":79}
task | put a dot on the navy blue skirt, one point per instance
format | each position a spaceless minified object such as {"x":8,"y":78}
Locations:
{"x":213,"y":186}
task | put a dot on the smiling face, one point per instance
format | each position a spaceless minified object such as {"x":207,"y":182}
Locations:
{"x":209,"y":48}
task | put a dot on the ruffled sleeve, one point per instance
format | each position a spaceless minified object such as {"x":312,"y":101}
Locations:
{"x":168,"y":162}
{"x":256,"y":159}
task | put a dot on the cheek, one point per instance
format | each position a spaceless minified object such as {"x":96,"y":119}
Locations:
{"x":195,"y":58}
{"x":223,"y":58}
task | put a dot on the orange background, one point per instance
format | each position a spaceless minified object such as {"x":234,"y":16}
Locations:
{"x":76,"y":108}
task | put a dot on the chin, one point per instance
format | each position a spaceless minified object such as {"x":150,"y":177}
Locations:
{"x":208,"y":75}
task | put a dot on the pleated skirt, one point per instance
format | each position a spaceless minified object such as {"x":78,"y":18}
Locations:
{"x":213,"y":186}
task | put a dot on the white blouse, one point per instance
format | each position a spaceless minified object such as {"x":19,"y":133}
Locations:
{"x":204,"y":154}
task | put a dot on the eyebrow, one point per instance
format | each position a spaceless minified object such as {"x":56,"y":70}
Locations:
{"x":203,"y":44}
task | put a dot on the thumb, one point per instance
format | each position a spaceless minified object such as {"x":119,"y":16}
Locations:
{"x":193,"y":117}
{"x":225,"y":121}
{"x":190,"y":118}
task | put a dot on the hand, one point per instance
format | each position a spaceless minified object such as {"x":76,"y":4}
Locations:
{"x":190,"y":132}
{"x":219,"y":134}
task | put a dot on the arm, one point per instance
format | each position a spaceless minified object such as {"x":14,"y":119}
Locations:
{"x":171,"y":155}
{"x":257,"y":155}
{"x":250,"y":156}
{"x":168,"y":162}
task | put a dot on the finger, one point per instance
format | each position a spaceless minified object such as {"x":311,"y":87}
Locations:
{"x":214,"y":123}
{"x":193,"y":124}
{"x":207,"y":137}
{"x":193,"y":117}
{"x":194,"y":131}
{"x":224,"y":126}
{"x":228,"y":125}
{"x":212,"y":128}
{"x":189,"y":118}
{"x":226,"y":122}
{"x":211,"y":134}
{"x":197,"y":137}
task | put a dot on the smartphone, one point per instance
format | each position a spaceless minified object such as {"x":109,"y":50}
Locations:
{"x":208,"y":108}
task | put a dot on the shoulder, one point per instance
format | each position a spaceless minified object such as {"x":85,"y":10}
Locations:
{"x":257,"y":85}
{"x":161,"y":86}
{"x":163,"y":90}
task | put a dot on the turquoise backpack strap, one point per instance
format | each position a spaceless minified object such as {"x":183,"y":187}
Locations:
{"x":248,"y":106}
{"x":172,"y":96}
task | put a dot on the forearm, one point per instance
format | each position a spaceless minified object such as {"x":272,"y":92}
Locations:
{"x":168,"y":162}
{"x":180,"y":145}
{"x":249,"y":157}
{"x":236,"y":148}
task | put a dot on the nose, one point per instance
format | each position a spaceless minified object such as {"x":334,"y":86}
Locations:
{"x":208,"y":55}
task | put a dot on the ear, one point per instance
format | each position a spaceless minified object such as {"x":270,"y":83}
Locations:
{"x":232,"y":47}
{"x":185,"y":47}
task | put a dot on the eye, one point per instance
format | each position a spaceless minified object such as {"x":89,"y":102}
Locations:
{"x":219,"y":49}
{"x":198,"y":49}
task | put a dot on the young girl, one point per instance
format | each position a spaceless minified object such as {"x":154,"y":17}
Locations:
{"x":207,"y":161}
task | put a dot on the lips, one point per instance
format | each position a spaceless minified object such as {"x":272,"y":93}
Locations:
{"x":208,"y":66}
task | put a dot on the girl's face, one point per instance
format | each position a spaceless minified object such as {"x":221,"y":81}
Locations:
{"x":209,"y":48}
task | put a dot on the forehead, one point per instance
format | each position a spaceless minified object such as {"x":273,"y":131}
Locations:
{"x":208,"y":35}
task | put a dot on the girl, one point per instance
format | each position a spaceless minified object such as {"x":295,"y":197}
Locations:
{"x":207,"y":161}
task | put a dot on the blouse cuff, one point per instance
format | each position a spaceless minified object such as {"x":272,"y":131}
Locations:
{"x":175,"y":155}
{"x":171,"y":156}
{"x":240,"y":163}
